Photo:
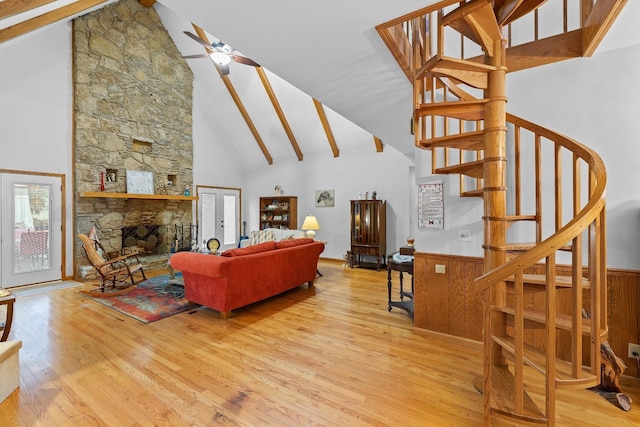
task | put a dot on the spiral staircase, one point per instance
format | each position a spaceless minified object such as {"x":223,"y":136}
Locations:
{"x":544,"y":282}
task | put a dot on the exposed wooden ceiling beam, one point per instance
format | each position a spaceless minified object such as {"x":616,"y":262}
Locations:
{"x":14,"y":7}
{"x":327,"y":128}
{"x":279,"y":112}
{"x":236,"y":98}
{"x":147,"y":3}
{"x":246,"y":117}
{"x":46,"y":19}
{"x":379,"y":144}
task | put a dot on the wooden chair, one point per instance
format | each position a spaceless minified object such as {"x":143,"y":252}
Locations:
{"x":118,"y":273}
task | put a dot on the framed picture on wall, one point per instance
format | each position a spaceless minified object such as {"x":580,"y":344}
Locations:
{"x":325,"y":198}
{"x":139,"y":182}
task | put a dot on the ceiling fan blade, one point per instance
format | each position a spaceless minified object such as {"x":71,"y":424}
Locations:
{"x":244,"y":60}
{"x":201,"y":55}
{"x":224,"y":69}
{"x":198,"y":39}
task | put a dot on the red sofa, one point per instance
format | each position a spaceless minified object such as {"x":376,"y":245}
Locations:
{"x":239,"y":277}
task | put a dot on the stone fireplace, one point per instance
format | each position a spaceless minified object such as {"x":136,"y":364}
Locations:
{"x":132,"y":113}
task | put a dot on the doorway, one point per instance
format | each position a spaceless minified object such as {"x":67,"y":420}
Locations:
{"x":30,"y":229}
{"x":219,"y":215}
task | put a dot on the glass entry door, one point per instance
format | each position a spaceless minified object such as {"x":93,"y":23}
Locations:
{"x":30,"y":227}
{"x":219,"y":215}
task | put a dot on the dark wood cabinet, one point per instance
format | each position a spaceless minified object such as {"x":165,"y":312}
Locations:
{"x":368,"y":233}
{"x":279,"y":212}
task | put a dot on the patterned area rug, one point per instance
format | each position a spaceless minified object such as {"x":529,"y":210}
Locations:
{"x":151,"y":300}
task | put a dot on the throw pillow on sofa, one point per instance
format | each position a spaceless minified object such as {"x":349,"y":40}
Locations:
{"x":260,"y":236}
{"x":253,"y":249}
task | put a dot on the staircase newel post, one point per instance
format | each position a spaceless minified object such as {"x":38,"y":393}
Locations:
{"x":495,"y":210}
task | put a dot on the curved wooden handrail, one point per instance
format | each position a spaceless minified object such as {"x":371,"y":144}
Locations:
{"x":574,"y":227}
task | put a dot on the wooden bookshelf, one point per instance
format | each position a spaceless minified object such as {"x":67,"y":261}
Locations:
{"x":279,"y":212}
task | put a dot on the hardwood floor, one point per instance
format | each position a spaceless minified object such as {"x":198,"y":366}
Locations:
{"x":327,"y":355}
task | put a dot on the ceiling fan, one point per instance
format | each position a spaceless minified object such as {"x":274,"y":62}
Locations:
{"x":221,"y":53}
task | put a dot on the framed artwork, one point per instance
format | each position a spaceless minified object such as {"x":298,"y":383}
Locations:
{"x":139,"y":182}
{"x":325,"y":198}
{"x":431,"y":205}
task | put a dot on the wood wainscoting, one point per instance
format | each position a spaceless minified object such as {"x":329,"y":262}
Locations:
{"x":448,"y":303}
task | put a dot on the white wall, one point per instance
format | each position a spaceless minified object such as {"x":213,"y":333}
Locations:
{"x":359,"y":171}
{"x":214,"y":160}
{"x":459,"y":214}
{"x":36,"y":107}
{"x":592,"y":100}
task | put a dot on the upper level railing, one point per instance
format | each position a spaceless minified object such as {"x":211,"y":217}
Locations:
{"x":563,"y":24}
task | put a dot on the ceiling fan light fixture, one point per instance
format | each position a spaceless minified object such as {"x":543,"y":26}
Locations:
{"x":220,"y":58}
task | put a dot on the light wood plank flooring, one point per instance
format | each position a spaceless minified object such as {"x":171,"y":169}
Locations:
{"x":328,"y":355}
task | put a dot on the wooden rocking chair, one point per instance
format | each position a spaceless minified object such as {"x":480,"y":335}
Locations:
{"x":117,"y":273}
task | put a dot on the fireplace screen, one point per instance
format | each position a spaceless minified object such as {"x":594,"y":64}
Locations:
{"x":148,"y":239}
{"x":159,"y":239}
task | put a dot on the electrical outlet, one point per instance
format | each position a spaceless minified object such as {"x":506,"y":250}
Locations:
{"x":634,"y":351}
{"x":464,"y":235}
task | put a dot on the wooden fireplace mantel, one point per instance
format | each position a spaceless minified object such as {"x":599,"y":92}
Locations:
{"x":106,"y":195}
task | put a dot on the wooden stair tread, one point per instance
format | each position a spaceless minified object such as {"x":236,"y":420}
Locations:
{"x":469,"y":72}
{"x":479,"y":192}
{"x":476,"y":21}
{"x":505,"y":16}
{"x":473,"y":169}
{"x":462,"y":141}
{"x":503,"y":397}
{"x":541,"y":279}
{"x":563,"y":321}
{"x":544,"y":51}
{"x":537,"y":360}
{"x":465,"y":110}
{"x":514,"y":218}
{"x":525,"y":246}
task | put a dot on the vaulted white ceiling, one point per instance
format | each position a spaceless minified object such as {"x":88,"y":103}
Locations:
{"x":331,"y":51}
{"x":328,"y":50}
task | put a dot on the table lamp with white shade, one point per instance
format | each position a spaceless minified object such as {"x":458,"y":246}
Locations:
{"x":310,"y":224}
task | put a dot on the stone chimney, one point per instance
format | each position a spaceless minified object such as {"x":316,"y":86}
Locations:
{"x":132,"y":112}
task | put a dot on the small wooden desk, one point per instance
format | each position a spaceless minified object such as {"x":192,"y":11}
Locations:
{"x":6,"y":328}
{"x":401,"y":267}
